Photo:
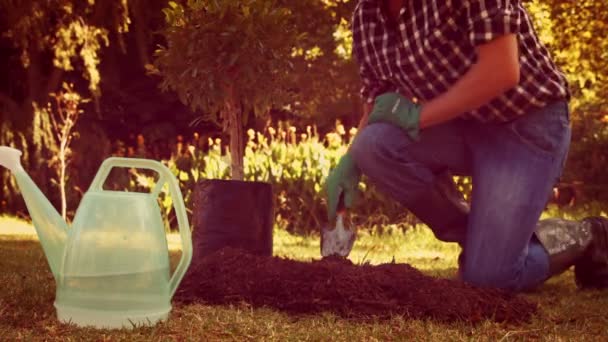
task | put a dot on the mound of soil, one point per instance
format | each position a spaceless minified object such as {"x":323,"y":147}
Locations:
{"x":338,"y":286}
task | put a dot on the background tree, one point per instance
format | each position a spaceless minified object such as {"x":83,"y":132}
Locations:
{"x":224,"y":56}
{"x":576,"y":33}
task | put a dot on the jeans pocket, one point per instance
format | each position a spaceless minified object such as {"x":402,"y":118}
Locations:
{"x":545,"y":130}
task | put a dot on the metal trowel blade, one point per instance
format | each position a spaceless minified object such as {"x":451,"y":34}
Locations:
{"x":338,"y":240}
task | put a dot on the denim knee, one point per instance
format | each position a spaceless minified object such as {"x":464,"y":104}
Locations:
{"x":488,"y":278}
{"x":503,"y":278}
{"x":376,"y":142}
{"x":363,"y":147}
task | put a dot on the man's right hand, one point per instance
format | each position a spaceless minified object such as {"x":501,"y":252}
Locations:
{"x":342,"y":183}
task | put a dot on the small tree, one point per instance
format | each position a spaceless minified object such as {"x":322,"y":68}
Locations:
{"x":223,"y":56}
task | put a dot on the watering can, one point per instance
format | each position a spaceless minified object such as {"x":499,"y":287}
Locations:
{"x":112,"y":266}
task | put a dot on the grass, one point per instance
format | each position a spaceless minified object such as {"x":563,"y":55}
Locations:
{"x":27,"y":312}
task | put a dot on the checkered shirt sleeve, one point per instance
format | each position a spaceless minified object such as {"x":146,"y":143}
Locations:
{"x":489,"y":19}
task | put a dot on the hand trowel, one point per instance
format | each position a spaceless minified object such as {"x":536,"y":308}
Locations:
{"x":339,"y":239}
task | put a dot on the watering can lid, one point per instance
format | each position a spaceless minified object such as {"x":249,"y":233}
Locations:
{"x":10,"y":158}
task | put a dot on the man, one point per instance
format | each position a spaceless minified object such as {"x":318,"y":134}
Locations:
{"x":466,"y":87}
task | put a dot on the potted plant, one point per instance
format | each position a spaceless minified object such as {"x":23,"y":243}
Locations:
{"x":221,"y":57}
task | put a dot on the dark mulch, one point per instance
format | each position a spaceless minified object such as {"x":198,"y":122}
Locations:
{"x":351,"y":291}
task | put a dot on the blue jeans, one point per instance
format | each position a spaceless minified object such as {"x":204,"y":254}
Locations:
{"x":513,"y":167}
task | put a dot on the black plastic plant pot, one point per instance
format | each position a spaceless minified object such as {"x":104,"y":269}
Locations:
{"x":229,"y":213}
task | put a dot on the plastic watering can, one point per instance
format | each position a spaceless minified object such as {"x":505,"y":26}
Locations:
{"x":112,"y":265}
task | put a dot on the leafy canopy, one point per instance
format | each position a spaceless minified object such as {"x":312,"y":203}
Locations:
{"x":224,"y":48}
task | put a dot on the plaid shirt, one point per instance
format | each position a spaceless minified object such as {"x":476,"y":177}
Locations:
{"x":434,"y":46}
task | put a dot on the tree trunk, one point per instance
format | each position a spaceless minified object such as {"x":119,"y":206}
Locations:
{"x":139,"y":24}
{"x":62,"y":172}
{"x":235,"y":129}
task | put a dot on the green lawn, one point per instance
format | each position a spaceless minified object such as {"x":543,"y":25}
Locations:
{"x":26,"y":301}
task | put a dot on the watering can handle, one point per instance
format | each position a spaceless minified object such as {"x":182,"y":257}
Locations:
{"x":178,"y":203}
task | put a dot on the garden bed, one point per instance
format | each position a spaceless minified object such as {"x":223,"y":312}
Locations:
{"x":348,"y":290}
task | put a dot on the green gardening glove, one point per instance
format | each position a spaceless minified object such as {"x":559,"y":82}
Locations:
{"x":395,"y":109}
{"x":341,"y":184}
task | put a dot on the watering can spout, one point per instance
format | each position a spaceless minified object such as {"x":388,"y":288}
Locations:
{"x":50,"y":226}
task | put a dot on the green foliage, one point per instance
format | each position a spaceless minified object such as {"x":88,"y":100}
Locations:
{"x":575,"y":32}
{"x":325,"y":79}
{"x":221,"y":44}
{"x":71,"y":30}
{"x":85,"y":41}
{"x":224,"y":57}
{"x":587,"y":166}
{"x":581,"y":48}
